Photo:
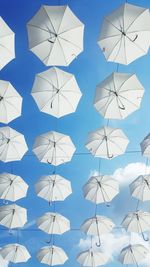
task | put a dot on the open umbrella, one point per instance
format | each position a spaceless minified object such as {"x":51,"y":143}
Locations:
{"x":125,"y":34}
{"x":12,"y":144}
{"x":118,"y":95}
{"x":53,"y":188}
{"x":145,"y":146}
{"x":140,"y":187}
{"x":92,"y":258}
{"x":55,"y":35}
{"x":54,"y":148}
{"x":107,"y":142}
{"x":13,"y":216}
{"x":56,"y":92}
{"x":12,"y":187}
{"x":101,"y":189}
{"x":7,"y":44}
{"x":10,"y":102}
{"x":52,"y":255}
{"x":15,"y":253}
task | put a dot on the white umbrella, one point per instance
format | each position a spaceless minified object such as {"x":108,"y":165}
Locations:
{"x":140,"y":187}
{"x":13,"y":216}
{"x":92,"y":258}
{"x":53,"y":188}
{"x":55,"y":35}
{"x":15,"y":253}
{"x":107,"y":142}
{"x":125,"y":34}
{"x":10,"y":102}
{"x":101,"y":189}
{"x":53,"y":148}
{"x":118,"y":95}
{"x":97,"y":225}
{"x":12,"y":145}
{"x":12,"y":187}
{"x":56,"y":92}
{"x":52,"y":255}
{"x":7,"y":44}
{"x":145,"y":146}
{"x":133,"y":254}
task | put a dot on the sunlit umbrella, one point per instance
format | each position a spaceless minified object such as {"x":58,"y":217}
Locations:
{"x":107,"y":142}
{"x":12,"y":187}
{"x":140,"y":187}
{"x":13,"y":216}
{"x":133,"y":254}
{"x":54,"y":148}
{"x":145,"y":146}
{"x":15,"y":253}
{"x":10,"y":102}
{"x":55,"y":35}
{"x":52,"y":255}
{"x":56,"y":92}
{"x":118,"y":95}
{"x":7,"y":43}
{"x":12,"y":145}
{"x":92,"y":258}
{"x":125,"y":34}
{"x":53,"y":188}
{"x":99,"y":189}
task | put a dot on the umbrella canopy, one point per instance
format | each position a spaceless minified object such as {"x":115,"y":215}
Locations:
{"x":92,"y":258}
{"x":15,"y":253}
{"x":133,"y":254}
{"x":13,"y":216}
{"x":53,"y":223}
{"x":54,"y":148}
{"x":10,"y":102}
{"x":55,"y":35}
{"x":125,"y":34}
{"x":7,"y":44}
{"x":118,"y":95}
{"x":53,"y":188}
{"x":107,"y":142}
{"x":101,"y":189}
{"x":56,"y":92}
{"x":145,"y":146}
{"x":52,"y":255}
{"x":12,"y":187}
{"x":12,"y":144}
{"x":140,"y":187}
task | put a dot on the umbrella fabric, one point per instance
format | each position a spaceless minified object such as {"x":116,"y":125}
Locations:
{"x":56,"y":92}
{"x":140,"y":187}
{"x":107,"y":142}
{"x":15,"y":253}
{"x":125,"y":34}
{"x":12,"y":187}
{"x":10,"y":102}
{"x":55,"y":35}
{"x":54,"y":148}
{"x":52,"y":255}
{"x":145,"y":146}
{"x":92,"y":258}
{"x":118,"y":95}
{"x":12,"y":144}
{"x":133,"y":254}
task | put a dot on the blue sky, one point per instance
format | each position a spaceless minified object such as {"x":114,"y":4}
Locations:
{"x":89,"y":69}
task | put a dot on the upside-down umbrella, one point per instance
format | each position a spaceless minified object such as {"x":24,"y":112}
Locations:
{"x":53,"y":188}
{"x":125,"y":34}
{"x":13,"y":216}
{"x":133,"y":254}
{"x":12,"y":187}
{"x":15,"y":253}
{"x":92,"y":258}
{"x":145,"y":146}
{"x":107,"y":142}
{"x":56,"y":92}
{"x":140,"y":187}
{"x":10,"y":102}
{"x":97,"y":225}
{"x":118,"y":95}
{"x":52,"y":255}
{"x":7,"y":44}
{"x":12,"y":144}
{"x":54,"y":148}
{"x":101,"y":189}
{"x":55,"y":35}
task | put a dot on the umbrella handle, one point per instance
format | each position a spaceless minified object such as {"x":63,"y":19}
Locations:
{"x":49,"y":162}
{"x":145,"y":238}
{"x":98,"y":244}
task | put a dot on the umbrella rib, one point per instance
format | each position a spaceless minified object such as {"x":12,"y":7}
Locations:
{"x":69,"y":42}
{"x":135,"y":19}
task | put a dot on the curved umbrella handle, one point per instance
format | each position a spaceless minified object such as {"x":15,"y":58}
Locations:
{"x":98,"y":244}
{"x":135,"y":38}
{"x":49,"y":162}
{"x":123,"y":107}
{"x":145,"y":238}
